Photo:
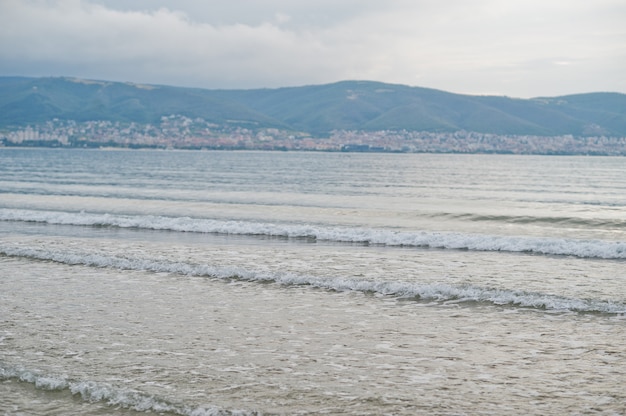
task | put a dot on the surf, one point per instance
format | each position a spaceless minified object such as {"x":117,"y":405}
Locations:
{"x":583,"y":248}
{"x":110,"y":394}
{"x":401,"y":290}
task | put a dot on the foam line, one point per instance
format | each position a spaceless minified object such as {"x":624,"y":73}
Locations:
{"x":399,"y":289}
{"x":427,"y":239}
{"x":93,"y":391}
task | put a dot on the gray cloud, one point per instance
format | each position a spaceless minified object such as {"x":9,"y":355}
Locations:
{"x":517,"y":48}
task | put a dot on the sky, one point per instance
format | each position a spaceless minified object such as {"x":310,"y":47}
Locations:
{"x":515,"y":48}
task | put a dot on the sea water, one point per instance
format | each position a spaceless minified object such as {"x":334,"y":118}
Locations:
{"x":241,"y":283}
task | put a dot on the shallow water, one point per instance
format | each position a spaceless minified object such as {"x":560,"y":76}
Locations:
{"x":281,"y":283}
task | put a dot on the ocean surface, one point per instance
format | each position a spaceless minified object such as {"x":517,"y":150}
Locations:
{"x":245,"y":283}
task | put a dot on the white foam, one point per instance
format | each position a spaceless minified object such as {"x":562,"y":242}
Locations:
{"x":444,"y":240}
{"x":93,"y":391}
{"x":437,"y":292}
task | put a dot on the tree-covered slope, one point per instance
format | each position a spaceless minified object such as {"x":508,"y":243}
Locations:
{"x":316,"y":109}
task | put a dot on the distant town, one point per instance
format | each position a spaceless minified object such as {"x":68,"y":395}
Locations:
{"x":180,"y":132}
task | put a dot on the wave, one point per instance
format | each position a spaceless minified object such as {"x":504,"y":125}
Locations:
{"x":599,"y":249}
{"x":521,"y":219}
{"x":398,"y":289}
{"x":93,"y":391}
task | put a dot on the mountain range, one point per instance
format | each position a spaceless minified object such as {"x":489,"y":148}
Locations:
{"x":314,"y":109}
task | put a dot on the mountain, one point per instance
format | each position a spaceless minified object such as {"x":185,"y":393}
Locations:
{"x":34,"y":100}
{"x":316,"y":109}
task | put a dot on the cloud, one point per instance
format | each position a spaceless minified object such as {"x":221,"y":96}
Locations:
{"x":159,"y":44}
{"x":473,"y":46}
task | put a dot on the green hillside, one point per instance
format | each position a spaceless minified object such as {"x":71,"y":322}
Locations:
{"x":32,"y":100}
{"x":318,"y":109}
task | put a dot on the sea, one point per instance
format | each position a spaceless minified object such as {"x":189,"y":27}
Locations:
{"x":292,"y":283}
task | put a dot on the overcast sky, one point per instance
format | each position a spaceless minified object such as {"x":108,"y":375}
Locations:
{"x":518,"y":48}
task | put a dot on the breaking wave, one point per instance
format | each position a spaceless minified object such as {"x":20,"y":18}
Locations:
{"x":398,"y":289}
{"x":93,"y":391}
{"x":599,"y":249}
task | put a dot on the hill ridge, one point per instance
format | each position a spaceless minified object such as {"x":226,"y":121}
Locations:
{"x":315,"y":109}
